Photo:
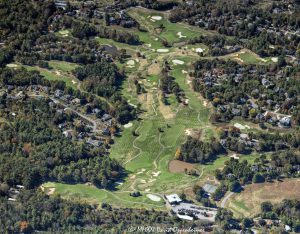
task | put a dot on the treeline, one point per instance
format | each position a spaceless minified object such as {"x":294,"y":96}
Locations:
{"x":195,"y":151}
{"x":158,"y":5}
{"x":281,"y":164}
{"x":34,"y":211}
{"x":22,"y":23}
{"x":103,"y":79}
{"x":84,"y":30}
{"x":33,"y":150}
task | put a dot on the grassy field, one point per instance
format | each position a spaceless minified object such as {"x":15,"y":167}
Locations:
{"x":58,"y":71}
{"x":246,"y":202}
{"x":171,"y":32}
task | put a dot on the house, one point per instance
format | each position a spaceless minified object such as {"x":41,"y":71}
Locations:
{"x":209,"y":188}
{"x":62,"y":125}
{"x":95,"y":143}
{"x":76,"y":101}
{"x":285,"y":122}
{"x":68,"y":133}
{"x":58,"y":93}
{"x":173,"y":199}
{"x":106,"y":131}
{"x":106,"y":117}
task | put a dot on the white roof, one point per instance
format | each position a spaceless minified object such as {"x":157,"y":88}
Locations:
{"x":186,"y":217}
{"x":173,"y":198}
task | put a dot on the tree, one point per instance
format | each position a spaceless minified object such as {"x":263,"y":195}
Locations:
{"x":234,"y":186}
{"x":258,"y":178}
{"x":266,"y":207}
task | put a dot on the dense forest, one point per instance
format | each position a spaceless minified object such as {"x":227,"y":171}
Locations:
{"x":33,"y":150}
{"x":35,"y":211}
{"x":198,"y":151}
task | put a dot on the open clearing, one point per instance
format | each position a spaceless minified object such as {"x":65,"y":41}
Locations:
{"x":176,"y":166}
{"x":246,"y":202}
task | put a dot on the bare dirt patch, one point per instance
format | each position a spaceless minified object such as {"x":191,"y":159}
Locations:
{"x":275,"y":192}
{"x":154,"y":69}
{"x":166,"y":111}
{"x":176,"y":166}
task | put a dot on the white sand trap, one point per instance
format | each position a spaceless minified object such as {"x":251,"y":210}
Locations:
{"x":156,"y":17}
{"x":186,"y":101}
{"x":147,"y":190}
{"x":130,"y":62}
{"x":156,"y":39}
{"x":199,"y":50}
{"x":129,"y":125}
{"x":184,"y":72}
{"x":152,"y":180}
{"x":152,"y":20}
{"x":74,"y":82}
{"x":188,"y":132}
{"x":149,"y":45}
{"x":50,"y":191}
{"x":155,"y":174}
{"x":264,"y":60}
{"x":153,"y":197}
{"x":162,"y":50}
{"x":12,"y":65}
{"x":130,"y":66}
{"x":58,"y":73}
{"x":141,"y":171}
{"x":179,"y":34}
{"x":205,"y":103}
{"x":234,"y":156}
{"x":189,"y":81}
{"x":274,"y":59}
{"x":247,"y":126}
{"x":143,"y":181}
{"x":178,"y":62}
{"x":239,"y":126}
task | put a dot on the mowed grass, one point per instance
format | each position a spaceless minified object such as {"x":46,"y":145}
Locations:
{"x":245,"y":204}
{"x":92,"y":195}
{"x":170,"y":31}
{"x":58,"y":71}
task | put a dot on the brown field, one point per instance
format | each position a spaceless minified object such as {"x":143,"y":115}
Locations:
{"x":247,"y":202}
{"x":176,"y":166}
{"x":154,"y":69}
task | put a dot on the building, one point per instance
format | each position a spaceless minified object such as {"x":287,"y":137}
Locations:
{"x":209,"y":188}
{"x":173,"y":199}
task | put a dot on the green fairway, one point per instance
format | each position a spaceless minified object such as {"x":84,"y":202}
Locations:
{"x":157,"y":24}
{"x":58,"y":71}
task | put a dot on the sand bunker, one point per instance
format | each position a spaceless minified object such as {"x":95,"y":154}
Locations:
{"x":141,"y":171}
{"x":12,"y":65}
{"x":50,"y":191}
{"x":147,"y":190}
{"x":274,"y":59}
{"x":240,"y":126}
{"x":234,"y":156}
{"x":179,"y":34}
{"x":156,"y":17}
{"x":130,"y":62}
{"x":155,"y":174}
{"x":162,"y":50}
{"x":74,"y":82}
{"x":153,"y":197}
{"x":178,"y":62}
{"x":205,"y":103}
{"x":129,"y":125}
{"x":143,"y":181}
{"x":188,"y":132}
{"x":199,"y":50}
{"x":184,"y":72}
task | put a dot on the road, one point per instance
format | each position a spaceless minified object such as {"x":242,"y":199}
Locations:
{"x":93,"y":122}
{"x":223,"y":203}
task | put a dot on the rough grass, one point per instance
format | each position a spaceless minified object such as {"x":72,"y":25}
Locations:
{"x":247,"y":202}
